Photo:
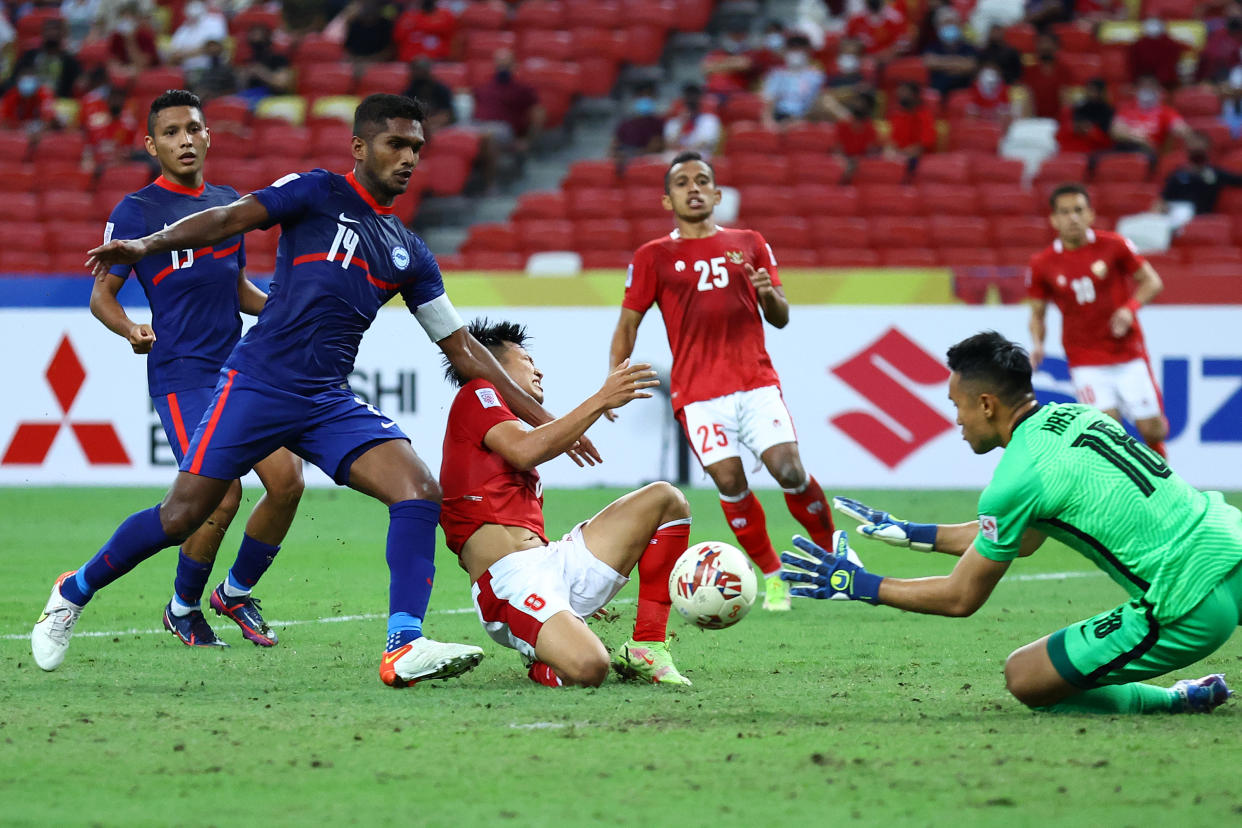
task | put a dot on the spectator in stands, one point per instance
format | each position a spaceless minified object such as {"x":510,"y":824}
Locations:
{"x":643,"y":131}
{"x":1231,"y":102}
{"x":508,"y":114}
{"x":790,"y":91}
{"x":912,"y":127}
{"x":1007,"y":59}
{"x":267,"y":71}
{"x":1046,"y":78}
{"x":437,"y":98}
{"x":188,"y":47}
{"x":217,"y":78}
{"x":1095,"y":106}
{"x":1220,"y":52}
{"x":1156,"y":53}
{"x":951,"y":61}
{"x":849,"y":75}
{"x":1077,"y":133}
{"x":79,"y":17}
{"x":51,"y":61}
{"x":131,"y":44}
{"x":1145,"y":125}
{"x":1197,"y":183}
{"x":1042,"y":13}
{"x":28,"y":105}
{"x":368,"y":30}
{"x":733,"y":66}
{"x":925,"y":36}
{"x":107,"y":12}
{"x":692,"y":126}
{"x":1097,"y":11}
{"x":989,"y":96}
{"x":112,"y":130}
{"x":882,"y":28}
{"x":425,"y":29}
{"x":856,"y":133}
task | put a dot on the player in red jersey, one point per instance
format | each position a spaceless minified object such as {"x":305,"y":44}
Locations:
{"x":712,"y":283}
{"x":1098,"y":282}
{"x":532,"y":595}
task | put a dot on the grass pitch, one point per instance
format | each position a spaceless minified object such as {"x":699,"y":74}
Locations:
{"x":836,"y":712}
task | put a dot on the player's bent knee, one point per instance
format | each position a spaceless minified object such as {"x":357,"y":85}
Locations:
{"x":790,"y":475}
{"x":230,"y":503}
{"x":584,"y":669}
{"x":1025,"y":685}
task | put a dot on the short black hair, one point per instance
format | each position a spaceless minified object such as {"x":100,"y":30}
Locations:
{"x":493,"y":336}
{"x":171,"y":98}
{"x":1067,"y":189}
{"x":1002,"y":366}
{"x":683,"y":157}
{"x":373,"y":114}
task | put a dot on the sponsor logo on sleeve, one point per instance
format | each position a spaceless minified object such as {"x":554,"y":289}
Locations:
{"x":280,"y":182}
{"x":487,"y":396}
{"x":400,"y":257}
{"x":987,"y":527}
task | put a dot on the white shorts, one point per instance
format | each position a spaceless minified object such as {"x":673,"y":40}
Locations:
{"x":521,"y":591}
{"x":757,"y":419}
{"x":1127,"y":387}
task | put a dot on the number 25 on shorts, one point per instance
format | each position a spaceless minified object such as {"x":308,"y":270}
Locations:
{"x":705,"y":435}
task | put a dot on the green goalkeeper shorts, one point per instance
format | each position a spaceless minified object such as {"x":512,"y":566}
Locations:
{"x":1127,"y":644}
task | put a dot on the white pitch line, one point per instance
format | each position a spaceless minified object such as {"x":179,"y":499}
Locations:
{"x":375,"y":616}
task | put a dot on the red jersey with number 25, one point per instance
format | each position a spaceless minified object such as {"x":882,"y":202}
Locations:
{"x":710,"y":309}
{"x":1087,"y":285}
{"x":479,"y":486}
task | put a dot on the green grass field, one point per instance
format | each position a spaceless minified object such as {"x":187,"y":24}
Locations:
{"x":835,"y":713}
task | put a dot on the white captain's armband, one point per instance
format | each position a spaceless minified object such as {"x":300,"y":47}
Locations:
{"x":438,"y":317}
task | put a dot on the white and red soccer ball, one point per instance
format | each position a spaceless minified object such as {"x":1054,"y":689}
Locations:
{"x":713,"y":585}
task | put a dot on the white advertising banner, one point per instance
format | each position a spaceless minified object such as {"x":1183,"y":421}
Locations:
{"x":866,"y":387}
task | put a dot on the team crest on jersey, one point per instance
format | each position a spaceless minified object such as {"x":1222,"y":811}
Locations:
{"x":488,"y":397}
{"x":734,"y":256}
{"x":1099,"y":269}
{"x":987,"y":527}
{"x":400,"y":258}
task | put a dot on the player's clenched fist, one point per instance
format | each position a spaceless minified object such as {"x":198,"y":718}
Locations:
{"x":115,"y":252}
{"x":760,"y":278}
{"x":627,"y":382}
{"x":141,"y":338}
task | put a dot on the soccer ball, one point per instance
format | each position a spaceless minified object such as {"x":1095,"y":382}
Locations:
{"x":713,"y":585}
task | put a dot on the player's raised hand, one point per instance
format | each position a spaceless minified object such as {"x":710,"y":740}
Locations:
{"x":626,"y":383}
{"x":876,"y":523}
{"x":115,"y":252}
{"x":760,"y":278}
{"x":817,"y":573}
{"x":1120,"y":322}
{"x":584,"y":452}
{"x":141,"y":338}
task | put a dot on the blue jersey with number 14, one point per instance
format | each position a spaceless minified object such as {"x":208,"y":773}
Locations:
{"x":341,"y":257}
{"x":193,"y":293}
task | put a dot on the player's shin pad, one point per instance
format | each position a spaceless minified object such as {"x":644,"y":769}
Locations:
{"x":876,"y":523}
{"x":817,"y":573}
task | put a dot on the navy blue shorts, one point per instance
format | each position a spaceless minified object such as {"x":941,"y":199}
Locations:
{"x":247,"y":420}
{"x":180,"y":414}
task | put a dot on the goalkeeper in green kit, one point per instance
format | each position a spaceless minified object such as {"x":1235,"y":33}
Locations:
{"x":1071,"y":473}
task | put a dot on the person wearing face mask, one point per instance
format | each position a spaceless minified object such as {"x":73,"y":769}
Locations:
{"x":1046,"y":78}
{"x":1146,"y":124}
{"x":989,"y":96}
{"x":1156,"y":53}
{"x":882,"y":28}
{"x":1007,"y":59}
{"x":1197,"y":183}
{"x":790,"y":91}
{"x":692,"y":126}
{"x":951,"y":61}
{"x":849,"y":75}
{"x":643,"y":131}
{"x":265,"y":71}
{"x":425,"y":29}
{"x":57,"y":69}
{"x":189,"y":45}
{"x":28,"y":105}
{"x":1221,"y":51}
{"x":131,"y":45}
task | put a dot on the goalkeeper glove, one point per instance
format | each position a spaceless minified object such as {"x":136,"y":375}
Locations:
{"x":883,"y":526}
{"x":820,"y":574}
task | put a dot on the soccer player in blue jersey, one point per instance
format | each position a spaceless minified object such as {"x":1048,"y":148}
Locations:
{"x":195,"y":296}
{"x":342,"y":255}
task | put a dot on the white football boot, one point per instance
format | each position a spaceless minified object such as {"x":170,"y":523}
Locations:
{"x":49,"y":640}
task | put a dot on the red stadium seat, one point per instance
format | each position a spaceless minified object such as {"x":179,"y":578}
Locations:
{"x":1081,"y":66}
{"x":27,"y":234}
{"x":16,"y":177}
{"x":790,"y":257}
{"x":968,"y":257}
{"x":899,"y":231}
{"x":616,"y":259}
{"x":992,"y":169}
{"x":887,"y":200}
{"x":155,"y":81}
{"x":645,"y":229}
{"x":594,"y":174}
{"x":1171,"y":9}
{"x":128,"y":176}
{"x":909,"y":257}
{"x":583,"y":203}
{"x":61,"y":145}
{"x":645,"y":45}
{"x":826,"y":200}
{"x":483,"y":14}
{"x":663,"y":14}
{"x":596,"y":76}
{"x":67,"y":206}
{"x":815,"y":168}
{"x":545,"y":234}
{"x":878,"y":171}
{"x":460,"y":141}
{"x":390,"y":78}
{"x":1068,"y":167}
{"x":492,"y":236}
{"x":324,"y":79}
{"x":241,"y":23}
{"x":809,"y":138}
{"x":1122,"y":199}
{"x":848,"y":257}
{"x":1026,"y":232}
{"x":446,"y":174}
{"x":722,"y":166}
{"x":959,"y":231}
{"x":1120,"y":167}
{"x":317,"y":50}
{"x":958,"y":104}
{"x":1075,"y":38}
{"x":1115,"y":64}
{"x":24,"y":261}
{"x":785,"y":232}
{"x":759,"y":169}
{"x":601,"y":234}
{"x":548,"y":204}
{"x":749,"y":137}
{"x":948,"y":199}
{"x":1229,"y":202}
{"x":1214,"y":255}
{"x":842,"y":231}
{"x":229,"y":109}
{"x":14,"y":145}
{"x":74,"y":237}
{"x":1206,"y":231}
{"x":280,"y":139}
{"x":1021,"y":36}
{"x":974,"y":135}
{"x":905,"y":69}
{"x":539,"y":14}
{"x":1009,"y":200}
{"x":763,"y":200}
{"x":1018,"y":257}
{"x":483,"y":44}
{"x":1196,"y":101}
{"x":452,"y":75}
{"x":601,"y":13}
{"x":642,"y":172}
{"x":244,"y":176}
{"x":943,"y":167}
{"x":329,"y":138}
{"x":644,"y":202}
{"x":742,"y":106}
{"x":595,"y":40}
{"x":549,"y":44}
{"x":493,"y":260}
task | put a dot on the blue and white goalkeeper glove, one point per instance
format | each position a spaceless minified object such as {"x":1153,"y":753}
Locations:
{"x":818,"y":573}
{"x":883,"y":526}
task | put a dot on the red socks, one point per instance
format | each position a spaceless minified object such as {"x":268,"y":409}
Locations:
{"x":810,"y":508}
{"x":541,"y":673}
{"x":654,"y":567}
{"x":748,"y":523}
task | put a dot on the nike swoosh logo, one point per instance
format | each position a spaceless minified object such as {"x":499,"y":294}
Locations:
{"x":395,"y":655}
{"x":388,"y":424}
{"x":343,"y":217}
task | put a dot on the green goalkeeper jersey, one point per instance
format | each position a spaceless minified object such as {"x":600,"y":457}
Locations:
{"x":1072,"y":472}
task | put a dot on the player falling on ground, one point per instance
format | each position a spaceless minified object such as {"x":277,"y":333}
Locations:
{"x":195,"y":296}
{"x":1098,"y":282}
{"x":342,"y":255}
{"x":1071,"y":473}
{"x":712,"y":283}
{"x":532,"y":595}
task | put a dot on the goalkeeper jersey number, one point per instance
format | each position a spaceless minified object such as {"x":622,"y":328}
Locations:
{"x":1074,"y":474}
